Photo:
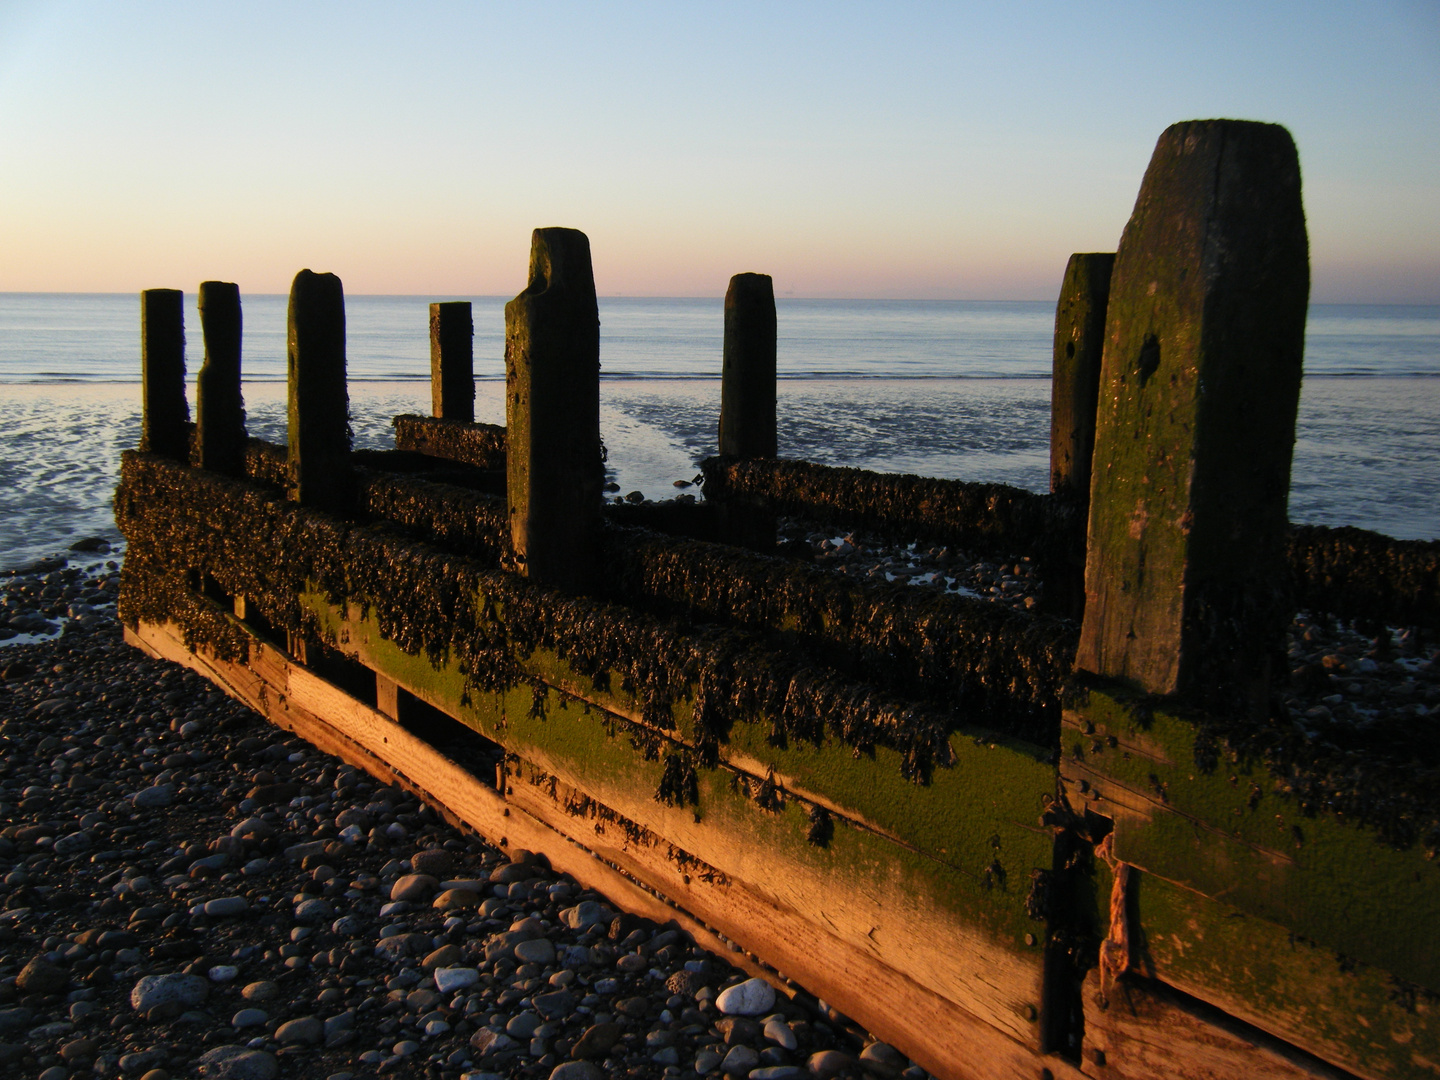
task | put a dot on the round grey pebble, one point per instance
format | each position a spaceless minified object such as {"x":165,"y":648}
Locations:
{"x":172,"y":989}
{"x":577,"y":1070}
{"x":249,"y":1018}
{"x":306,"y":1029}
{"x":238,"y":1063}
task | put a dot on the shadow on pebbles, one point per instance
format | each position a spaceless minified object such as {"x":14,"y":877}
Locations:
{"x":190,"y":892}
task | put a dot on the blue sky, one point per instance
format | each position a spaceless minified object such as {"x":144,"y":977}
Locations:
{"x":908,"y":150}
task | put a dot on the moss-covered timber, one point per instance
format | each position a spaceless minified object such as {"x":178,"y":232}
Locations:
{"x":1075,"y":371}
{"x":1324,"y":1000}
{"x":1200,"y":381}
{"x":1287,"y":838}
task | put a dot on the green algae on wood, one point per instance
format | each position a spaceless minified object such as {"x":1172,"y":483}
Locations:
{"x":1254,"y":830}
{"x":1200,"y":381}
{"x":219,"y":405}
{"x":552,"y":413}
{"x":165,"y":415}
{"x":1325,"y":1000}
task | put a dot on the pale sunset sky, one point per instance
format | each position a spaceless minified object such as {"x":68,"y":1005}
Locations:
{"x":949,"y":150}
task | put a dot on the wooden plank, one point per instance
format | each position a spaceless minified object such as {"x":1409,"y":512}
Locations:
{"x":1148,"y":1031}
{"x":164,"y":414}
{"x":318,"y":440}
{"x":219,"y":404}
{"x":1343,"y":1011}
{"x":747,"y":380}
{"x":452,"y":361}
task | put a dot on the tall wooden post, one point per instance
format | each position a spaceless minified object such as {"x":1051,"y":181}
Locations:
{"x":219,"y":407}
{"x":554,"y":471}
{"x":165,"y":416}
{"x":452,"y":361}
{"x":747,"y":388}
{"x":1074,"y":391}
{"x":319,"y":413}
{"x":1204,"y":333}
{"x":1075,"y":382}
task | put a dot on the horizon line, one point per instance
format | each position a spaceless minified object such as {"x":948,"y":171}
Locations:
{"x":441,"y":297}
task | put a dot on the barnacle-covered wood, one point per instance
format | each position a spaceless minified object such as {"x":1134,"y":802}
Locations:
{"x":1362,"y":575}
{"x":481,"y":445}
{"x":988,"y":518}
{"x":253,"y":543}
{"x":995,"y":666}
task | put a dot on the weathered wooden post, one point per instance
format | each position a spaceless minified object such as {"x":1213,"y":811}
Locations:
{"x":747,"y":402}
{"x":1075,"y":381}
{"x":747,"y":386}
{"x":165,"y":416}
{"x":319,"y":411}
{"x":1074,"y":391}
{"x":452,"y":361}
{"x":554,"y":471}
{"x":1185,"y":576}
{"x":219,"y":407}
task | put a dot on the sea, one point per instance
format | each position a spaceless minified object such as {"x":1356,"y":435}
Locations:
{"x":953,"y":389}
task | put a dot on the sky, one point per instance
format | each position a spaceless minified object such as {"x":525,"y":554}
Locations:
{"x":912,"y":150}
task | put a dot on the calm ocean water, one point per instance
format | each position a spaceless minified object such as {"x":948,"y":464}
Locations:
{"x":952,"y":389}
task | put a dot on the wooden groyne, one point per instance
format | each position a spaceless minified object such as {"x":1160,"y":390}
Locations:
{"x":1079,"y":841}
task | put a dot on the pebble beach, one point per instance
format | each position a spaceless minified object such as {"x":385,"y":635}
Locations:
{"x":190,"y":892}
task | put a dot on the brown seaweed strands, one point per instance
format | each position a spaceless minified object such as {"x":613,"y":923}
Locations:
{"x":1356,"y":574}
{"x":997,"y":667}
{"x":234,"y":537}
{"x":481,"y":445}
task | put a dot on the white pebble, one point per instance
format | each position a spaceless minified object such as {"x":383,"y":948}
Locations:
{"x":753,"y":997}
